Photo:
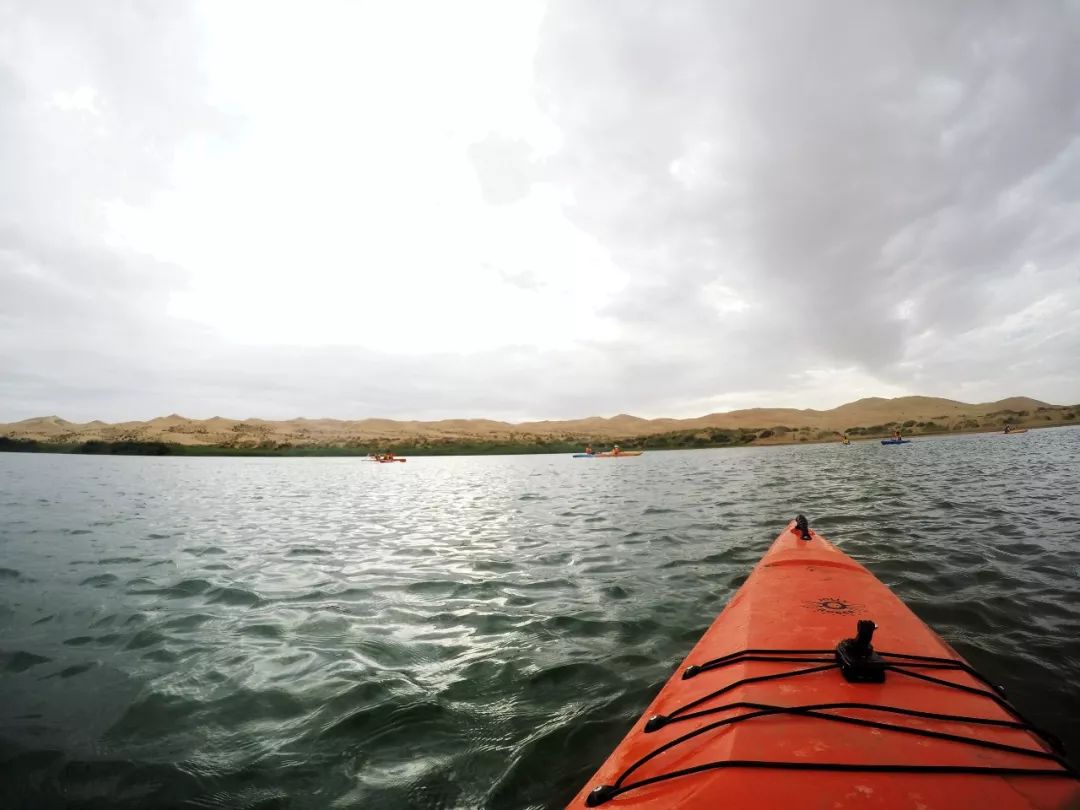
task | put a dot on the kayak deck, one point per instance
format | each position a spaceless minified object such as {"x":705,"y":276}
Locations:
{"x":761,"y":716}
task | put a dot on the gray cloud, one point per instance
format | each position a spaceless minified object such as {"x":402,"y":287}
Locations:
{"x":890,"y":187}
{"x":838,"y":164}
{"x":93,"y":102}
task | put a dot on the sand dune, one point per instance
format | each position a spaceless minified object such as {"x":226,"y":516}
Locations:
{"x":303,"y":431}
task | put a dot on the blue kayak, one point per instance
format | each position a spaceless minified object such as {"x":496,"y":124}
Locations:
{"x":584,"y":455}
{"x":896,"y":441}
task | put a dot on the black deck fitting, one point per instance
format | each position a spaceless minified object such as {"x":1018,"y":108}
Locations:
{"x":802,"y":527}
{"x":856,"y":657}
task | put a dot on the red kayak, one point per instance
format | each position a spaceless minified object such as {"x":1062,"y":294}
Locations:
{"x":816,"y":687}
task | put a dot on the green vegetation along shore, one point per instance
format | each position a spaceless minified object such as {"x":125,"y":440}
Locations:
{"x":1049,"y":416}
{"x":401,"y":447}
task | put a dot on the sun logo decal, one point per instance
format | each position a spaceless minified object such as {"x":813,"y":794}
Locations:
{"x":834,"y":605}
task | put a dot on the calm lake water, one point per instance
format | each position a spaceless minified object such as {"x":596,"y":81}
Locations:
{"x":467,"y":632}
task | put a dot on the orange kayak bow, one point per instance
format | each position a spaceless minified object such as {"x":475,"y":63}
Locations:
{"x":817,"y":687}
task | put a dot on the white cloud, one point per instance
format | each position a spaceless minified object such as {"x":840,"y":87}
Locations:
{"x":345,"y":209}
{"x":81,"y":99}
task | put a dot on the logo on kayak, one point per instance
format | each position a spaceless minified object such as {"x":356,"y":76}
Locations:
{"x":834,"y":605}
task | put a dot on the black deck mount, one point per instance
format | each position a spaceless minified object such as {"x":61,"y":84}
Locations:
{"x":802,"y":527}
{"x":857,"y":659}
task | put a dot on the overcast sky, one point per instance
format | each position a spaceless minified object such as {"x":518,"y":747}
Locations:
{"x":534,"y":210}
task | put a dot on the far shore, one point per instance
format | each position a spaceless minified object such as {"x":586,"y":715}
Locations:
{"x":869,"y":418}
{"x":682,"y":440}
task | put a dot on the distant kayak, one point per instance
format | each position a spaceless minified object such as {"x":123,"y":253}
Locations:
{"x":817,"y":687}
{"x":896,"y":441}
{"x":609,"y":455}
{"x":1011,"y":432}
{"x":386,"y":460}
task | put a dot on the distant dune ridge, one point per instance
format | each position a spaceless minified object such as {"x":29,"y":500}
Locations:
{"x":218,"y":431}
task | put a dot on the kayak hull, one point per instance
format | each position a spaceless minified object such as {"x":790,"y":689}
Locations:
{"x":808,"y":596}
{"x":623,"y":454}
{"x":1013,"y":432}
{"x":896,"y":441}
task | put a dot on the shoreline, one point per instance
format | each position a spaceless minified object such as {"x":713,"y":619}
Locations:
{"x":679,"y":441}
{"x":867,"y":418}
